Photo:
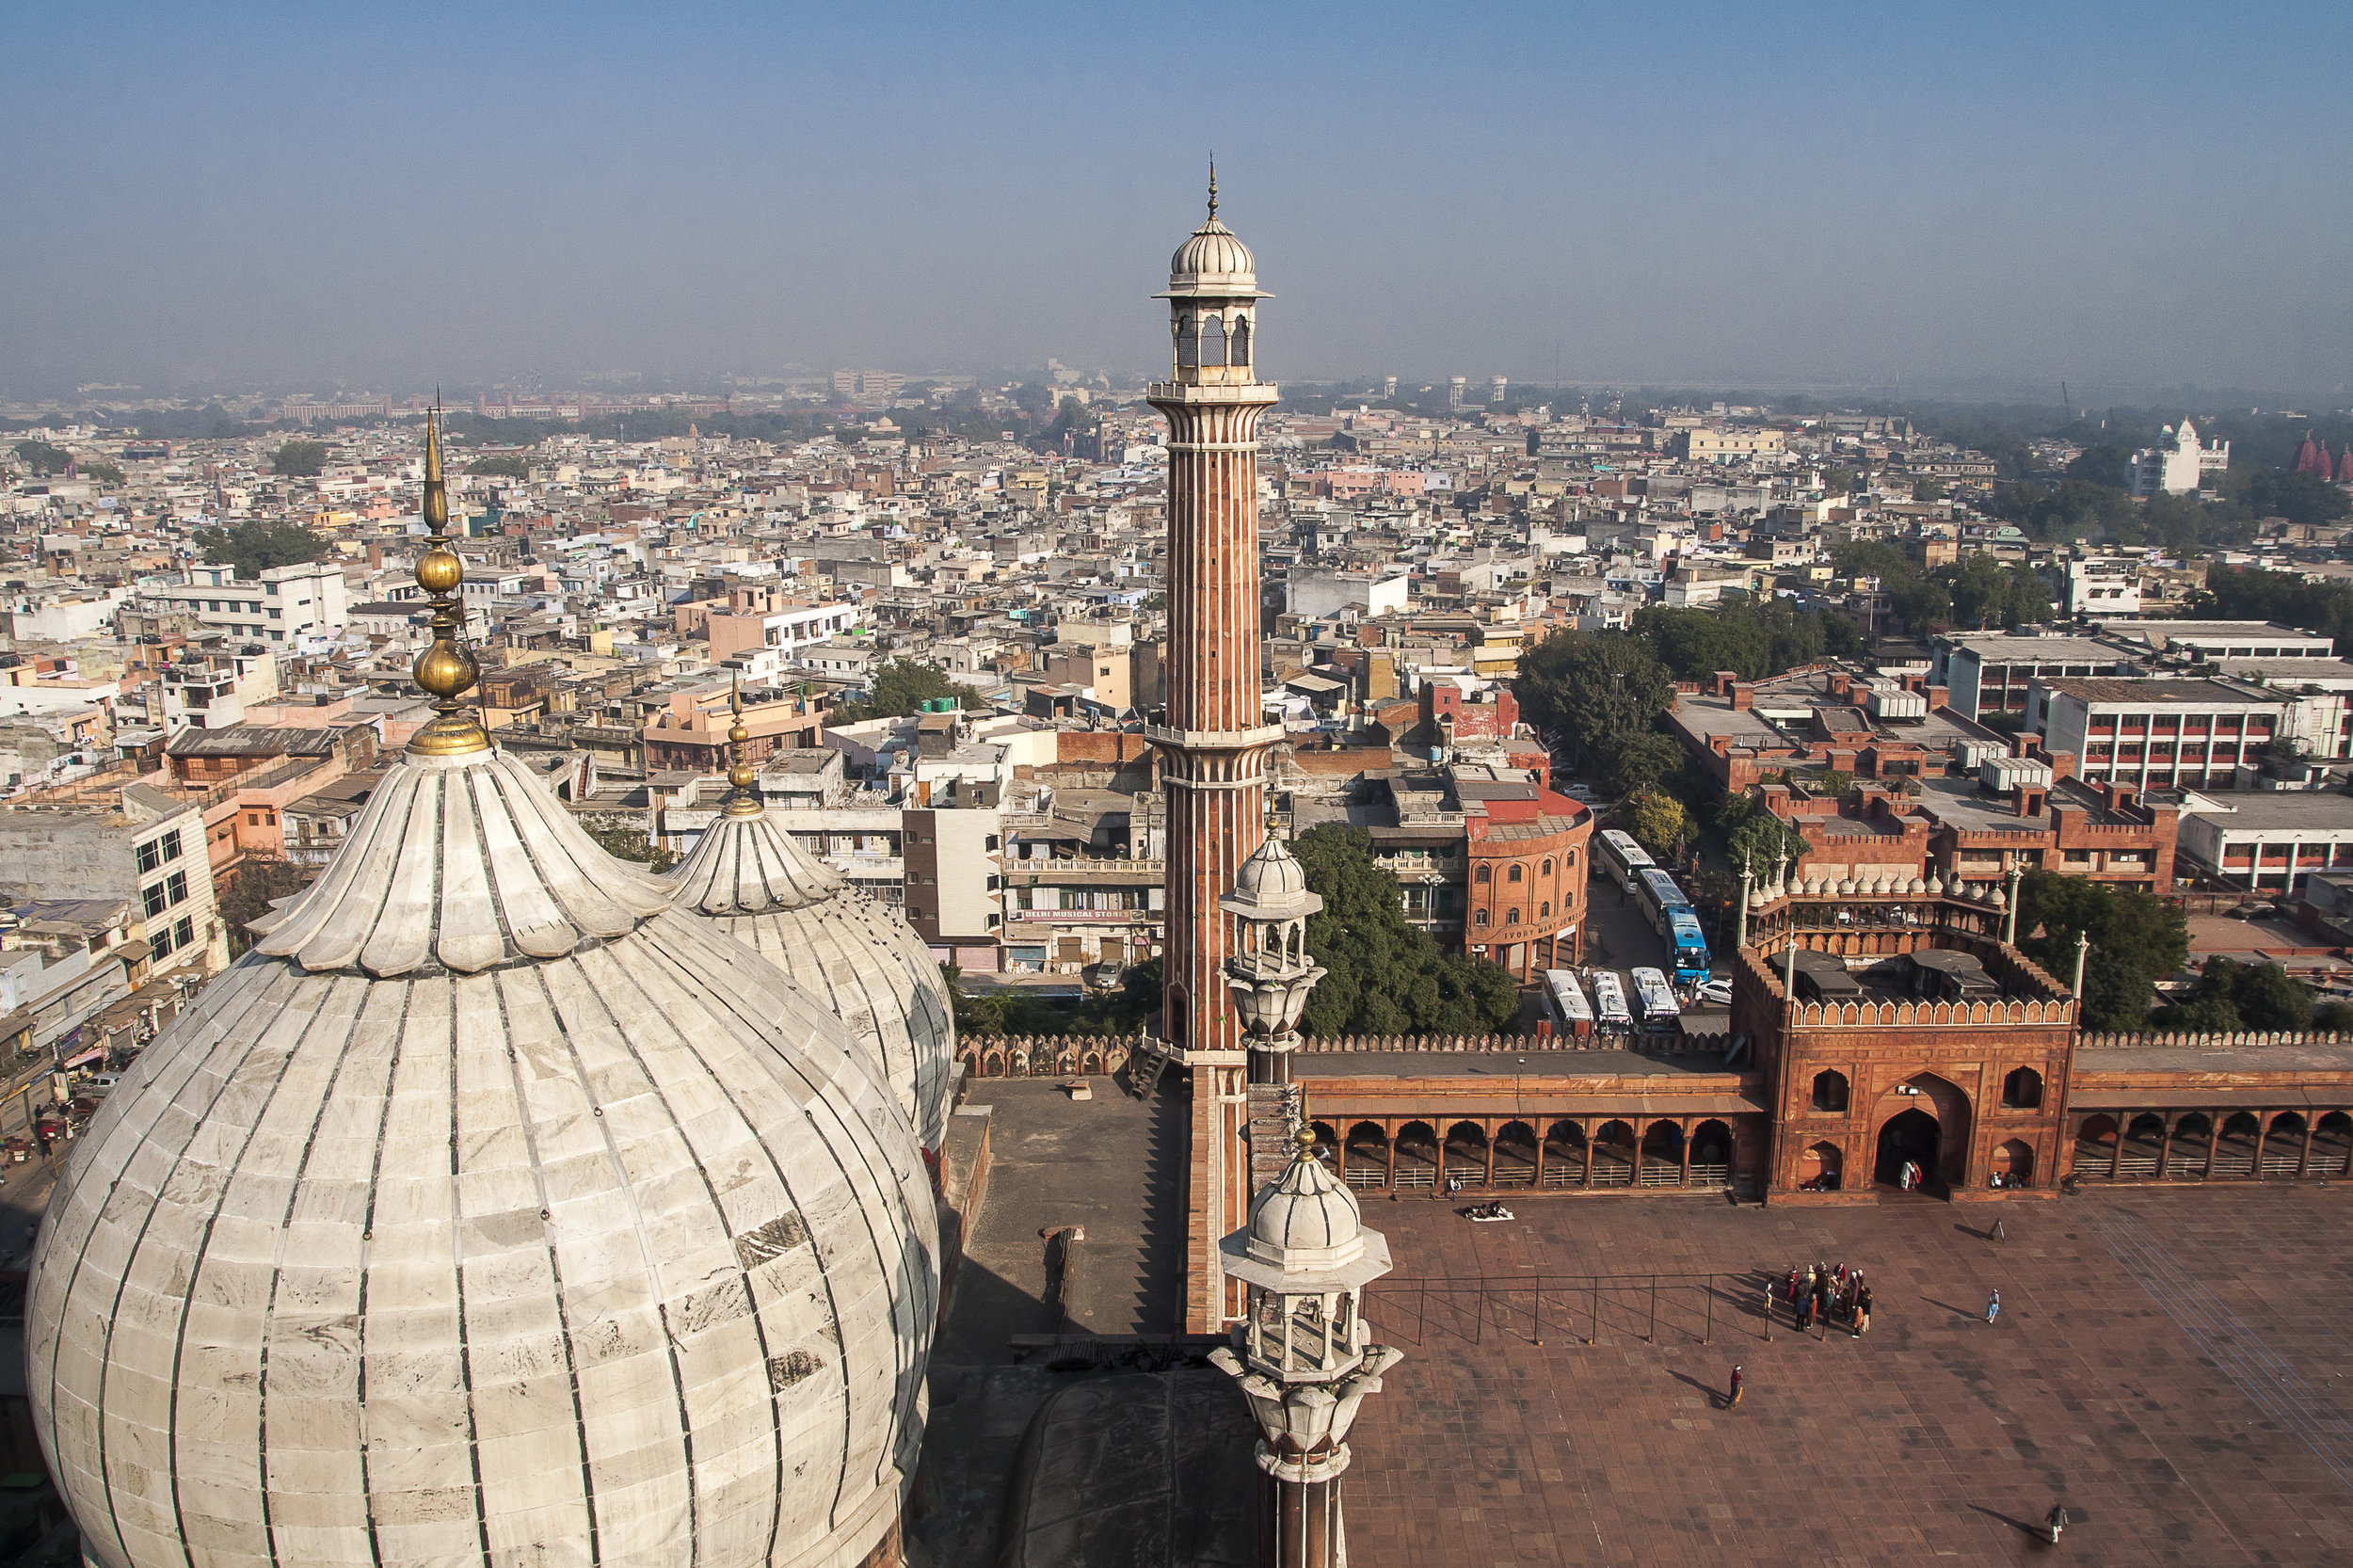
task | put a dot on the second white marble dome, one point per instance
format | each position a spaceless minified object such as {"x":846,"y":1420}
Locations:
{"x":749,"y":878}
{"x":491,"y":1213}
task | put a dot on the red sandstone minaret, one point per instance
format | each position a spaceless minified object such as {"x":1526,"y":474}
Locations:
{"x":1213,"y":744}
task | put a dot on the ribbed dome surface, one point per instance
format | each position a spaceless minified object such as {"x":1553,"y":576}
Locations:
{"x":1272,"y":873}
{"x":753,"y":881}
{"x":1212,"y":251}
{"x":1305,"y":1218}
{"x":618,"y":1254}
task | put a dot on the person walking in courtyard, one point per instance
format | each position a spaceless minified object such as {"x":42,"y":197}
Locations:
{"x":1734,"y":1399}
{"x":1992,"y":1306}
{"x":1863,"y":1311}
{"x":2054,"y":1521}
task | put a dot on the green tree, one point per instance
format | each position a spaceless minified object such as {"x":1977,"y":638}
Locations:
{"x":1755,"y":836}
{"x":300,"y":459}
{"x":2137,"y":939}
{"x":1833,"y":782}
{"x":502,"y":465}
{"x":1384,"y":976}
{"x":256,"y":546}
{"x":106,"y":473}
{"x":2300,"y":498}
{"x":1927,"y":489}
{"x":2249,"y":593}
{"x":1657,"y":820}
{"x":258,"y":883}
{"x":2103,"y":463}
{"x":901,"y":687}
{"x":42,"y":459}
{"x":1647,"y":760}
{"x":2267,"y":998}
{"x":1593,"y":689}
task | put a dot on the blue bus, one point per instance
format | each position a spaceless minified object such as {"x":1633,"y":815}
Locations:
{"x":1690,"y":947}
{"x":1656,"y":892}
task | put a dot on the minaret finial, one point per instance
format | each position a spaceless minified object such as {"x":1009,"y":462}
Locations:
{"x":1212,"y":188}
{"x":742,"y":799}
{"x":445,"y":669}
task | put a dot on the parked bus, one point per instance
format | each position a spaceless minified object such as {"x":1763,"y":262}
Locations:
{"x":1621,"y":856}
{"x":1657,"y":998}
{"x":1565,"y":1000}
{"x":1690,"y":947}
{"x":1609,"y":1001}
{"x":1656,"y":892}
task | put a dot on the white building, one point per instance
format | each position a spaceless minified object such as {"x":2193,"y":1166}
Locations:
{"x":2107,"y":586}
{"x":284,"y":604}
{"x":2174,"y":464}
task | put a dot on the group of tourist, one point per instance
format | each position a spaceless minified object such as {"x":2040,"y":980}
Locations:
{"x":1821,"y":1294}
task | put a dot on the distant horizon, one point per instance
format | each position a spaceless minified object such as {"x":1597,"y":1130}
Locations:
{"x":2134,"y":200}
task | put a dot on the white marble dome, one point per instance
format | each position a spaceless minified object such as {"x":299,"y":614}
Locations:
{"x":1305,"y":1219}
{"x":1212,"y":254}
{"x":490,"y":1212}
{"x":749,"y":878}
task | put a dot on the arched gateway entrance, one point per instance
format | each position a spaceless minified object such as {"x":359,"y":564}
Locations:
{"x":1911,"y":1135}
{"x":1926,"y":1120}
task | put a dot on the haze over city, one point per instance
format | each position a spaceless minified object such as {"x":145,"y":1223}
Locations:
{"x":2130,"y":197}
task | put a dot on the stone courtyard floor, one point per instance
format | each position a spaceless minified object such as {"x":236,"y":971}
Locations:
{"x":2174,"y":1365}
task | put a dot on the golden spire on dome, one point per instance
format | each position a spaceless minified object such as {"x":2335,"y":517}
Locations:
{"x":445,"y":669}
{"x":742,"y":799}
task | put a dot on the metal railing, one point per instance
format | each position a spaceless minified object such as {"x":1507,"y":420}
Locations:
{"x":1581,"y":1309}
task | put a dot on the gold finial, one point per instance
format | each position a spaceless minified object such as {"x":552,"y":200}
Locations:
{"x":1212,"y":188}
{"x":445,"y":669}
{"x":1305,"y":1136}
{"x":742,"y":800}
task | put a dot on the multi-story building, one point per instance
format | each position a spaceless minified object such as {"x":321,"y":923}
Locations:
{"x":1988,"y":672}
{"x":2268,"y":841}
{"x":1063,"y":913}
{"x":690,"y":732}
{"x":955,"y":883}
{"x":2155,"y":733}
{"x":2175,"y":465}
{"x":285,"y":605}
{"x":144,"y":846}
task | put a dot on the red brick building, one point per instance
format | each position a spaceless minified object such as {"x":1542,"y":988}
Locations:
{"x":1528,"y":868}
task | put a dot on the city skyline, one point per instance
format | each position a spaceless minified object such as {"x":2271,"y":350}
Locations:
{"x":1562,"y":196}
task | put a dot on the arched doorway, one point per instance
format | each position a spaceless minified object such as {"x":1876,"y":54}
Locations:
{"x":2185,"y":1154}
{"x":1564,"y":1155}
{"x":2333,"y":1144}
{"x":1818,"y":1168}
{"x":1367,"y":1155}
{"x":2095,"y":1149}
{"x":2234,"y":1151}
{"x":1662,"y":1155}
{"x":2283,"y":1146}
{"x":1466,"y":1154}
{"x":2144,"y":1139}
{"x":1711,"y":1155}
{"x":1909,"y":1135}
{"x":2013,"y":1163}
{"x":1327,"y":1142}
{"x":1614,"y":1155}
{"x":1416,"y":1155}
{"x":1515,"y":1155}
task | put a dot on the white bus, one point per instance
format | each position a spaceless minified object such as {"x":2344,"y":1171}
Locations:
{"x":1622,"y":857}
{"x":1566,"y":1002}
{"x":1657,"y":998}
{"x":1609,"y":1001}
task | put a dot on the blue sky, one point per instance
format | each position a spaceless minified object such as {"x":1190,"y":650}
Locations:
{"x":2125,"y":197}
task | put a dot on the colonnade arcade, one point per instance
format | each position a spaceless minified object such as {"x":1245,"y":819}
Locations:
{"x":1503,"y":1154}
{"x":2211,"y":1144}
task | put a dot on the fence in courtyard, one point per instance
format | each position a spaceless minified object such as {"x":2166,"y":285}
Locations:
{"x":1571,"y":1309}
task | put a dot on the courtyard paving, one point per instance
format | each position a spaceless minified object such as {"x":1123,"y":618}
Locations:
{"x":2174,"y":1365}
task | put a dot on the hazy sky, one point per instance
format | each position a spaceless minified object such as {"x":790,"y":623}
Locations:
{"x":2124,"y":197}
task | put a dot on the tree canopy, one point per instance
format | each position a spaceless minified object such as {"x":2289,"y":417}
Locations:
{"x":2249,"y":593}
{"x":1657,"y":820}
{"x":300,"y":459}
{"x":42,"y":459}
{"x":502,"y":465}
{"x":1593,"y":689}
{"x":1384,"y":976}
{"x":901,"y":687}
{"x":1755,"y":838}
{"x":2136,"y":938}
{"x":1753,"y":638}
{"x":2232,"y":997}
{"x":256,"y":546}
{"x":257,"y":883}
